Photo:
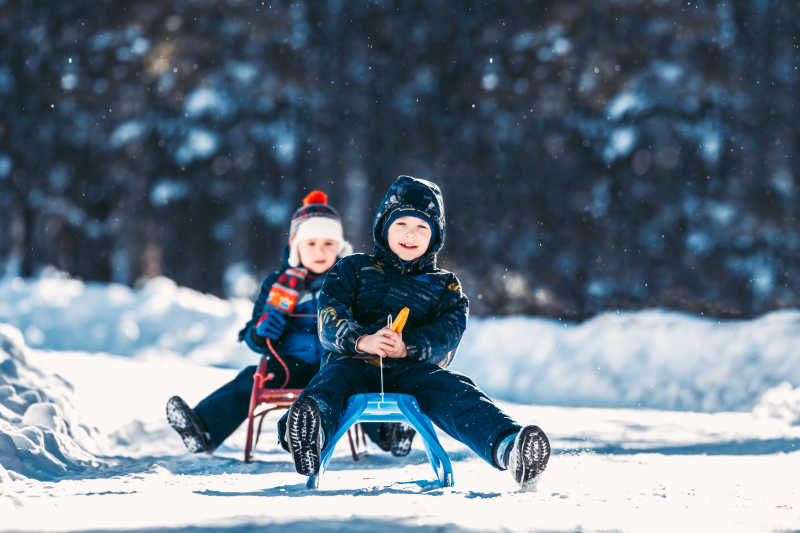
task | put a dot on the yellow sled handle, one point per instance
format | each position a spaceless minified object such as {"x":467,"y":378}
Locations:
{"x":400,"y":321}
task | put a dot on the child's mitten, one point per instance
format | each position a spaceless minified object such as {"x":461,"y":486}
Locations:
{"x":271,"y":325}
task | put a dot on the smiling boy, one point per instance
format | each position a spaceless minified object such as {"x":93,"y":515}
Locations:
{"x":359,"y":293}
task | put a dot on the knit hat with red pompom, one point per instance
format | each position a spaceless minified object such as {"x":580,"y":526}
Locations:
{"x":315,"y":219}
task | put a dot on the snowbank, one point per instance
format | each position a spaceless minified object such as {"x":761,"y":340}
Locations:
{"x":654,"y":359}
{"x":160,"y":318}
{"x":40,"y":433}
{"x":782,"y":402}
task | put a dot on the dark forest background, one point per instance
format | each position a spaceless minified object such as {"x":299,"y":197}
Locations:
{"x":594,"y":155}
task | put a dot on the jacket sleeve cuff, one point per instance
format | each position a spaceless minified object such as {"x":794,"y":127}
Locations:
{"x":351,"y":340}
{"x":418,"y":352}
{"x":355,"y":346}
{"x":255,"y":342}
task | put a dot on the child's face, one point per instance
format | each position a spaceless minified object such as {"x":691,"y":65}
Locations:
{"x":409,"y":237}
{"x":318,"y":255}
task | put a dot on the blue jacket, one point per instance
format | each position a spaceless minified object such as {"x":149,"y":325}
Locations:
{"x":299,"y":339}
{"x":361,"y":290}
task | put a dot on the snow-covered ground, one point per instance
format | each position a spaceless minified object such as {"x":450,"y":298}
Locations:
{"x":84,"y":444}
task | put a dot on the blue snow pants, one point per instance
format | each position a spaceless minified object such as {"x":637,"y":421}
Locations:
{"x":450,"y":399}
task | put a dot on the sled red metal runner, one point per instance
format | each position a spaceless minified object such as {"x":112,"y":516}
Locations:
{"x":263,"y":401}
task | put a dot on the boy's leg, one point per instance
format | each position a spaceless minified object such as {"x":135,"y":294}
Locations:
{"x":331,"y":387}
{"x":455,"y":404}
{"x":206,"y":426}
{"x":315,"y":415}
{"x":225,"y":409}
{"x":222,"y":411}
{"x":300,"y":373}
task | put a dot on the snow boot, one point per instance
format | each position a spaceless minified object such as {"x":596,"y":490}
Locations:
{"x":528,"y":456}
{"x":189,"y":426}
{"x":304,"y":435}
{"x":395,"y":437}
{"x":402,"y":438}
{"x":385,"y":436}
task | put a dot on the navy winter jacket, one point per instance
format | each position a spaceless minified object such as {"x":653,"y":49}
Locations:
{"x":299,"y":339}
{"x":361,"y":290}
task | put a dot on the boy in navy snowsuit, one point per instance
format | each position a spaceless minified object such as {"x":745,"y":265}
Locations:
{"x":359,"y":292}
{"x":316,"y":241}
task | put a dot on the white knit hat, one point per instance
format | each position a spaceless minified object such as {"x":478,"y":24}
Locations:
{"x":315,"y":219}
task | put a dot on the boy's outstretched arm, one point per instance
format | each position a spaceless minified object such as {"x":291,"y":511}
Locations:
{"x":255,"y":342}
{"x":436,"y":341}
{"x":338,"y":331}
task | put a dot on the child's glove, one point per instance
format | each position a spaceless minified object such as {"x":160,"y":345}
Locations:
{"x":271,"y":325}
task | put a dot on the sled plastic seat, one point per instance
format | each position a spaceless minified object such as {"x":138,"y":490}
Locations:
{"x":392,"y":407}
{"x":264,"y":401}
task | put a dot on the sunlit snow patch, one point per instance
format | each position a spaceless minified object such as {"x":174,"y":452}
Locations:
{"x":41,"y":436}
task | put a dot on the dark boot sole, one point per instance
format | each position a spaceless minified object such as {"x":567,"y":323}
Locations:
{"x":533,"y":448}
{"x":181,"y":418}
{"x":303,"y":436}
{"x":402,"y":439}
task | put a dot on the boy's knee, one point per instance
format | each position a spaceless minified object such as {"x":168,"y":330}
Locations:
{"x":451,"y":378}
{"x":340,"y":370}
{"x":246,"y":373}
{"x":343,"y":363}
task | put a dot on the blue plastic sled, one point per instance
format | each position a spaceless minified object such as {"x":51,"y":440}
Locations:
{"x":393,"y":408}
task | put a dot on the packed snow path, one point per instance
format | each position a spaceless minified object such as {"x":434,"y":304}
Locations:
{"x":612,"y":469}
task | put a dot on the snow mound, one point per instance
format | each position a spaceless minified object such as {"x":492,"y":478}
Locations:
{"x":654,"y":359}
{"x":40,"y":435}
{"x":158,"y":319}
{"x":782,"y":402}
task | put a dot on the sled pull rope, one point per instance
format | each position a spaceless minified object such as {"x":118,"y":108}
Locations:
{"x":397,"y":326}
{"x":388,"y":325}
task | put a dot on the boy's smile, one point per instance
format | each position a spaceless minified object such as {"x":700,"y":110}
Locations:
{"x":409,"y":237}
